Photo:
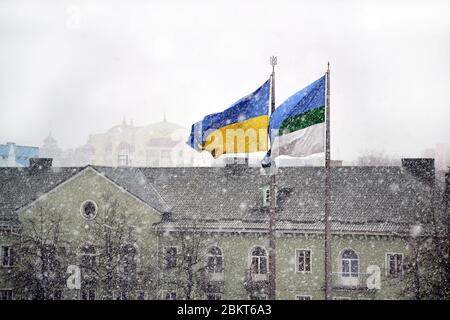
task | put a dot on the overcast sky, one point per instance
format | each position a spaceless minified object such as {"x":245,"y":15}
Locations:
{"x":77,"y":67}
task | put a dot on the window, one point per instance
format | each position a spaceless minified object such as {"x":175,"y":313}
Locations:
{"x":214,"y":263}
{"x":170,"y":258}
{"x":120,"y":295}
{"x":6,"y":256}
{"x":169,"y":295}
{"x":266,"y":196}
{"x":88,"y":209}
{"x":394,"y":264}
{"x":140,"y":295}
{"x":124,"y":152}
{"x":88,"y":294}
{"x":122,"y":160}
{"x":213,"y":296}
{"x":303,"y":260}
{"x":88,"y":257}
{"x":349,"y":262}
{"x":258,"y":261}
{"x":6,"y":294}
{"x":128,"y":265}
{"x":88,"y":266}
{"x":303,"y":297}
{"x":258,"y":296}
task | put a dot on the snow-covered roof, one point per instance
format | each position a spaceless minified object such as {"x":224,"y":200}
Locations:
{"x":369,"y":200}
{"x":20,"y":186}
{"x":378,"y":199}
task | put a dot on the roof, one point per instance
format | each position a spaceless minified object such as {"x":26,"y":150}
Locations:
{"x":135,"y":182}
{"x":363,"y":199}
{"x":21,"y":186}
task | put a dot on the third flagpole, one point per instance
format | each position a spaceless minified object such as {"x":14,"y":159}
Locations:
{"x":328,"y":271}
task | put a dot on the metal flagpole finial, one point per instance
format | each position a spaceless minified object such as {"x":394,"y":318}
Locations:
{"x":273,"y":62}
{"x":328,"y":66}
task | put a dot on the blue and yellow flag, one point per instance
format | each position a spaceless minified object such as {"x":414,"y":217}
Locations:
{"x":242,"y":128}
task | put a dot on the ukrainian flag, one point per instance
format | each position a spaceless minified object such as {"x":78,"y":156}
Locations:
{"x":242,"y":128}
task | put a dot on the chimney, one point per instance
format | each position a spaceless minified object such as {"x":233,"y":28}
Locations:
{"x":233,"y":161}
{"x":40,"y":163}
{"x":236,"y":165}
{"x":422,"y":168}
{"x":336,"y":163}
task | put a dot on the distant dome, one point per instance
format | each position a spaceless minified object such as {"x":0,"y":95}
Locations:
{"x":164,"y":126}
{"x":119,"y":128}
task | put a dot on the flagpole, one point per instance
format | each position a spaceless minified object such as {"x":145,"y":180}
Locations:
{"x":272,"y":213}
{"x":328,"y":275}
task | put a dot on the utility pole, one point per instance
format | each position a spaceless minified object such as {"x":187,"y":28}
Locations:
{"x":273,"y":195}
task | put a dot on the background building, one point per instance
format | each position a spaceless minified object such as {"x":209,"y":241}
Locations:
{"x":160,"y":144}
{"x":12,"y":155}
{"x":441,"y":154}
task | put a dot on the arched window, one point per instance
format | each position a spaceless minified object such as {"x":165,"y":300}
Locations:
{"x":258,"y":261}
{"x":349,"y":263}
{"x":214,"y":262}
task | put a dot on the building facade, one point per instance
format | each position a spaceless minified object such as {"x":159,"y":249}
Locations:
{"x":159,"y":144}
{"x":12,"y":155}
{"x":201,"y":233}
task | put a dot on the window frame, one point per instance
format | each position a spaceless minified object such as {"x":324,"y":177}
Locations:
{"x":297,"y":270}
{"x":92,"y":257}
{"x":166,"y":266}
{"x":387,"y":273}
{"x":132,"y":265}
{"x":83,"y":213}
{"x":215,"y":294}
{"x":10,"y":257}
{"x":341,"y":266}
{"x":209,"y":255}
{"x":251,"y":256}
{"x":141,"y":294}
{"x":165,"y":292}
{"x":260,"y":295}
{"x":3,"y":293}
{"x":88,"y":294}
{"x":123,"y":160}
{"x":266,"y":196}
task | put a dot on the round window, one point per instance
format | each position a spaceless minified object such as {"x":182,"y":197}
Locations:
{"x":88,"y":209}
